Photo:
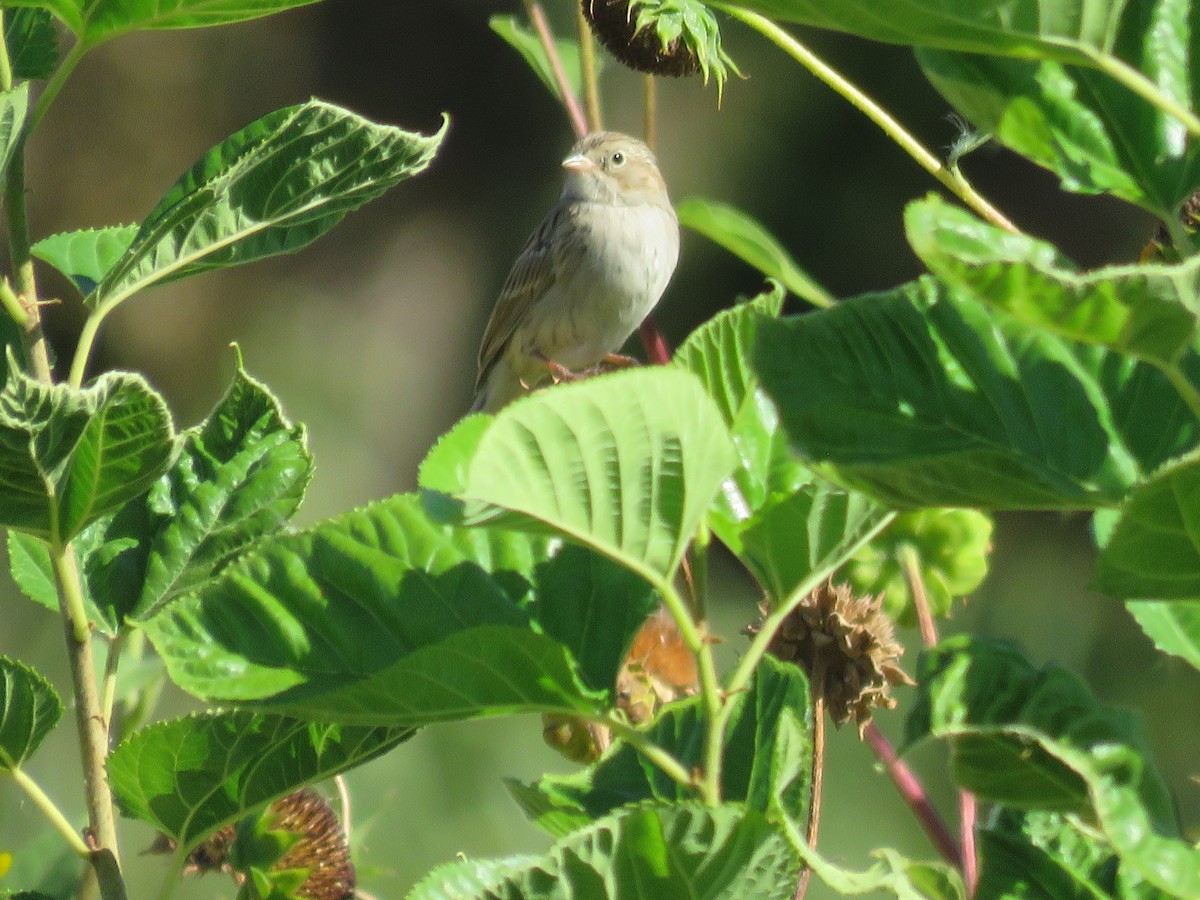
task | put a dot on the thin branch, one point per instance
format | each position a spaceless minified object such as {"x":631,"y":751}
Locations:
{"x":538,"y":18}
{"x":650,"y":111}
{"x":952,"y":179}
{"x":48,"y":808}
{"x":911,"y":565}
{"x":968,"y":809}
{"x":817,"y":682}
{"x":588,"y":71}
{"x":914,"y":795}
{"x":650,"y":750}
{"x":1145,"y":88}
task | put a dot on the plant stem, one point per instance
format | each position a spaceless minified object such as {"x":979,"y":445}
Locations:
{"x":56,"y":82}
{"x":650,"y":111}
{"x":1137,"y":82}
{"x":89,"y":720}
{"x":968,"y":808}
{"x":48,"y":808}
{"x":950,"y":178}
{"x":112,"y":661}
{"x":818,"y":770}
{"x":647,"y":748}
{"x":1184,"y":387}
{"x":12,"y":304}
{"x":588,"y":72}
{"x":538,"y":18}
{"x":914,"y":795}
{"x":34,"y":339}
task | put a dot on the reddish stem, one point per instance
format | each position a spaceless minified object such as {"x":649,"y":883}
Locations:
{"x":967,"y":809}
{"x":578,"y":120}
{"x":653,"y":341}
{"x":914,"y":795}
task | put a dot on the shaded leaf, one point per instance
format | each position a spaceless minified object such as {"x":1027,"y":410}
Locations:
{"x":32,"y":43}
{"x":925,"y":398}
{"x":275,"y":186}
{"x":1174,"y":627}
{"x":626,"y":463}
{"x":751,"y":242}
{"x":1149,"y":311}
{"x":14,"y":107}
{"x":70,"y":456}
{"x":188,"y":777}
{"x":85,"y":256}
{"x":526,"y":43}
{"x":29,"y":709}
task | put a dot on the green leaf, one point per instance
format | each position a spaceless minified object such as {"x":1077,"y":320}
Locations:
{"x":676,"y":851}
{"x":29,"y":564}
{"x":1037,"y":739}
{"x":188,"y":777}
{"x":1024,"y":28}
{"x":1153,"y":553}
{"x":924,"y":398}
{"x":525,"y":42}
{"x":949,"y":546}
{"x":766,"y":764}
{"x":70,"y":456}
{"x":896,"y":874}
{"x":1149,"y":311}
{"x":747,"y":239}
{"x":29,"y":709}
{"x":1094,"y":133}
{"x":14,"y":107}
{"x":32,"y":43}
{"x":1174,"y":627}
{"x":378,"y":616}
{"x":275,"y":186}
{"x":85,"y":256}
{"x":626,"y":464}
{"x":94,"y":21}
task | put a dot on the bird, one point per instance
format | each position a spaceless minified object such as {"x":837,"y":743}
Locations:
{"x":588,"y":275}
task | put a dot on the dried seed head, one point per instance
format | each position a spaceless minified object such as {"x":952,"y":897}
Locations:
{"x":322,"y":847}
{"x":619,"y":27}
{"x":848,"y":649}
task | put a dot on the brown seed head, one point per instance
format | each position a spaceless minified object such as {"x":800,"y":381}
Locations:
{"x":615,"y":24}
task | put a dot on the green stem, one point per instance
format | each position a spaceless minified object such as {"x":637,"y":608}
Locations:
{"x":12,"y":304}
{"x":647,"y":748}
{"x":951,"y":179}
{"x":1137,"y":82}
{"x":56,"y":82}
{"x":174,"y":873}
{"x":48,"y":808}
{"x":112,"y":661}
{"x":587,"y":73}
{"x":83,"y":349}
{"x":1181,"y":238}
{"x":34,"y":339}
{"x":1184,"y":387}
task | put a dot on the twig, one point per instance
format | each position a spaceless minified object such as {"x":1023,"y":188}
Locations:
{"x":968,"y":807}
{"x":817,"y":684}
{"x":538,"y":18}
{"x":916,"y":586}
{"x":914,"y":795}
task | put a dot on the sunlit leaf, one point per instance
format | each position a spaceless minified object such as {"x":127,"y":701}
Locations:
{"x":1173,"y":626}
{"x":85,"y":256}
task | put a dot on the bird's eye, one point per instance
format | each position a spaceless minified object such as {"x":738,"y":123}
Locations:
{"x":618,"y":158}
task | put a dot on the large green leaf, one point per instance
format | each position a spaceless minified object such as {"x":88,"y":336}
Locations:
{"x":14,"y":107}
{"x":1149,"y":311}
{"x":29,"y":709}
{"x":94,"y":21}
{"x":924,"y":398}
{"x":626,"y":464}
{"x":85,"y":256}
{"x":1095,"y":134}
{"x":382,"y":617}
{"x":1153,"y":553}
{"x":1174,"y":627}
{"x":766,"y":765}
{"x":188,"y":777}
{"x":1015,"y":27}
{"x":32,"y":42}
{"x":750,"y":241}
{"x":275,"y":186}
{"x":665,"y":852}
{"x":1037,"y":739}
{"x":71,"y":456}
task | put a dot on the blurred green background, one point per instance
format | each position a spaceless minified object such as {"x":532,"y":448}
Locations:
{"x":369,"y":337}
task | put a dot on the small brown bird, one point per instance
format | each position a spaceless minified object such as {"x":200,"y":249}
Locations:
{"x":588,"y":275}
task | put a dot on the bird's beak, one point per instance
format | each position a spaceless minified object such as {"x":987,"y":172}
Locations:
{"x":579,"y":163}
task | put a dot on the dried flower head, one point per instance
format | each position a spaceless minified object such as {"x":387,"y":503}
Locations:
{"x":848,"y":649}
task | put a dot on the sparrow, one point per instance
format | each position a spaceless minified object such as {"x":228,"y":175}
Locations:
{"x":588,"y":275}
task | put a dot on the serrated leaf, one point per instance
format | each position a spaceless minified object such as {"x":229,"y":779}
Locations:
{"x":748,"y":240}
{"x":14,"y":107}
{"x":70,"y":456}
{"x":465,"y":878}
{"x":949,"y":546}
{"x":379,"y":616}
{"x":85,"y":256}
{"x":188,"y":777}
{"x":95,"y":21}
{"x":32,"y":43}
{"x":275,"y":186}
{"x":626,"y":464}
{"x":1149,"y":311}
{"x":1037,"y":739}
{"x":924,"y":398}
{"x":1153,"y":552}
{"x":29,"y":564}
{"x":904,"y":878}
{"x":29,"y":709}
{"x":526,"y":43}
{"x":1174,"y":627}
{"x":766,"y":763}
{"x":681,"y":850}
{"x":1094,"y":133}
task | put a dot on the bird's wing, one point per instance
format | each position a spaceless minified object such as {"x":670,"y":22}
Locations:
{"x":531,"y":275}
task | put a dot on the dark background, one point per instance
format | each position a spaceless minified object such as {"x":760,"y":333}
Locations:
{"x":369,"y":337}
